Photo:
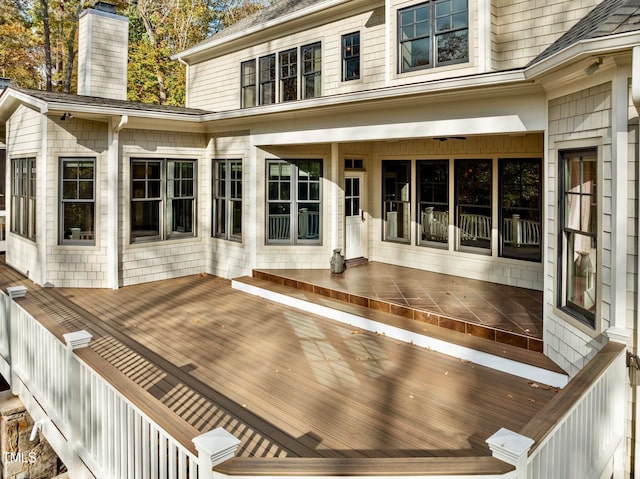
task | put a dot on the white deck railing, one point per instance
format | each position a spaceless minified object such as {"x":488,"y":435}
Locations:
{"x":91,"y":423}
{"x":96,"y":427}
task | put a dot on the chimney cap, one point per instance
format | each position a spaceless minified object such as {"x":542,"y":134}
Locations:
{"x":105,"y":7}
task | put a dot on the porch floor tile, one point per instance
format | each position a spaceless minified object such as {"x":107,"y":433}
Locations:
{"x":508,"y":309}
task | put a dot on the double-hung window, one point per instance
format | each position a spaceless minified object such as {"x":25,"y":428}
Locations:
{"x":163,"y":199}
{"x":294,"y":201}
{"x":289,"y":75}
{"x":311,"y":71}
{"x":77,"y":201}
{"x":577,"y":265}
{"x":268,"y":79}
{"x":23,"y":197}
{"x":433,"y":33}
{"x":248,"y":83}
{"x":351,"y":56}
{"x":227,"y":199}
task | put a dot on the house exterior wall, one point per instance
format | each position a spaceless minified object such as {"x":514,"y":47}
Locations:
{"x":514,"y":32}
{"x":523,"y":29}
{"x":580,"y":119}
{"x":157,"y":260}
{"x":227,"y":258}
{"x":75,"y":266}
{"x":24,"y":139}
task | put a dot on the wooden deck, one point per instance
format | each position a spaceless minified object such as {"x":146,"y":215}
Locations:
{"x":288,"y":384}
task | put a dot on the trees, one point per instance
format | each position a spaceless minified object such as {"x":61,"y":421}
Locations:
{"x":38,"y":41}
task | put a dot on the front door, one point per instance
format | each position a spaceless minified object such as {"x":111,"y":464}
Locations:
{"x":354,"y":216}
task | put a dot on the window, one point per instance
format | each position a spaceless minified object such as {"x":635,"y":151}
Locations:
{"x":433,"y":200}
{"x":351,"y":56}
{"x":353,"y":164}
{"x":268,"y":80}
{"x":433,"y":33}
{"x":473,"y":203}
{"x":77,"y":200}
{"x":520,"y":208}
{"x":311,"y":71}
{"x":248,"y":83}
{"x":227,"y":199}
{"x":23,"y":197}
{"x":3,"y":166}
{"x":162,"y":199}
{"x":289,"y":75}
{"x":294,"y":201}
{"x":396,"y":177}
{"x":578,"y":233}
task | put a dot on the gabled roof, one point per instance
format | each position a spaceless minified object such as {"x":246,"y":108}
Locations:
{"x":272,"y":12}
{"x":610,"y":17}
{"x":92,"y":101}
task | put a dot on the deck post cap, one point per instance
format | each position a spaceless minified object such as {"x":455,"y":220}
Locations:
{"x":509,"y":446}
{"x":17,"y":291}
{"x":218,"y":445}
{"x":77,"y":339}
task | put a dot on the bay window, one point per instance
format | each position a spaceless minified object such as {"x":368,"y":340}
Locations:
{"x":227,"y":199}
{"x":23,"y":197}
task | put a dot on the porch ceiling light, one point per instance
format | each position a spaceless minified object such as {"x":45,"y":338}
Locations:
{"x":447,"y":138}
{"x":591,"y":69}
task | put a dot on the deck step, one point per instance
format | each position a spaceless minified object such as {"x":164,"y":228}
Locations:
{"x":352,"y":263}
{"x":506,"y":358}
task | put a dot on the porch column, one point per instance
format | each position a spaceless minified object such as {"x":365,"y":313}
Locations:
{"x":335,"y":208}
{"x":619,"y":197}
{"x":113,"y":214}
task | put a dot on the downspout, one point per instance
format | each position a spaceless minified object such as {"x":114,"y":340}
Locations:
{"x":41,"y":206}
{"x":635,"y":98}
{"x":113,"y":215}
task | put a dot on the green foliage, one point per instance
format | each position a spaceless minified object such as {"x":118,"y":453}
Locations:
{"x":158,"y":29}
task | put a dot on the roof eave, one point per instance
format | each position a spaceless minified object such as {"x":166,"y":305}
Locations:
{"x":582,"y":49}
{"x":201,"y":48}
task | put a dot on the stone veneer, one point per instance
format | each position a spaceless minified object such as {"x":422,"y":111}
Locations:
{"x":19,"y":457}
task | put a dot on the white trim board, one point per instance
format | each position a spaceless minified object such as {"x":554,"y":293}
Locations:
{"x":509,"y":366}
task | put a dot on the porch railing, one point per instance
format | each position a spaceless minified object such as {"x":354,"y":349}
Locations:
{"x":308,"y":225}
{"x":519,"y":232}
{"x":93,"y":423}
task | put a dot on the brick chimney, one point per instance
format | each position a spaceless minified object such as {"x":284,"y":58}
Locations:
{"x":103,"y":40}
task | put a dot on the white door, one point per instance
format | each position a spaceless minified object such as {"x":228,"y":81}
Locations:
{"x":354,"y":216}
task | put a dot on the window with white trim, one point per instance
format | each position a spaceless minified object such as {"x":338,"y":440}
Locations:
{"x":163,"y":202}
{"x":248,"y":83}
{"x":77,"y":201}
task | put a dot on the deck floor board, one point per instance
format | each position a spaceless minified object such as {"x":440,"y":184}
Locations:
{"x":288,"y":383}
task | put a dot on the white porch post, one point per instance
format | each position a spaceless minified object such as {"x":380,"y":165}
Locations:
{"x":75,"y":340}
{"x":113,"y":211}
{"x":619,"y":171}
{"x":214,"y":447}
{"x":335,"y":209}
{"x":512,"y":448}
